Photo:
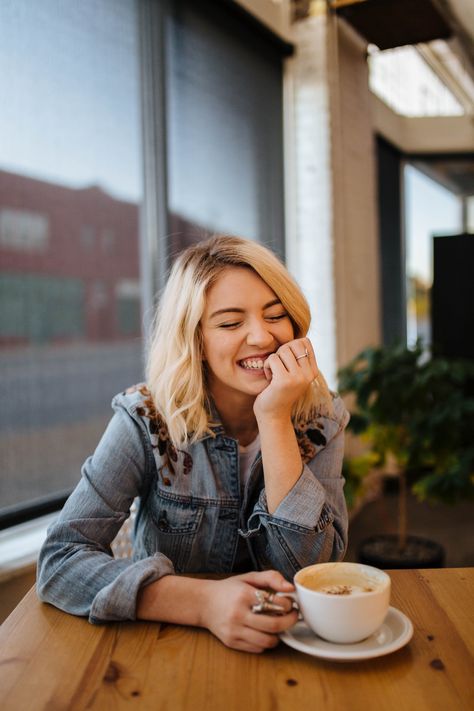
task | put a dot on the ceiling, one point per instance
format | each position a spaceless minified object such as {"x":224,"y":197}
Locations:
{"x":394,"y":23}
{"x":455,"y":173}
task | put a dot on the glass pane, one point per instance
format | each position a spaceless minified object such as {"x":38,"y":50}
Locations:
{"x":470,"y":214}
{"x":224,"y":123}
{"x":430,"y":209}
{"x":70,"y":188}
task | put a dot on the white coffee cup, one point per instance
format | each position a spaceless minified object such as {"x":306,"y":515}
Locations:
{"x":342,"y":602}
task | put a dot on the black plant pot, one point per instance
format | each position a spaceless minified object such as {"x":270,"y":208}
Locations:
{"x":382,"y":551}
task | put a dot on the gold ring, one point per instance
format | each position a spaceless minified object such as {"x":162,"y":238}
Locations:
{"x":305,"y":355}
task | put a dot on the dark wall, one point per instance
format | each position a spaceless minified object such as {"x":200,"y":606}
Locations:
{"x":453,"y":295}
{"x":392,"y":259}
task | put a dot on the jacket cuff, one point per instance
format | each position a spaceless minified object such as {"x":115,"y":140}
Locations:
{"x":118,"y":600}
{"x":302,"y":508}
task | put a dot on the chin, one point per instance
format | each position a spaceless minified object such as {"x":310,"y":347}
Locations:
{"x":255,"y":389}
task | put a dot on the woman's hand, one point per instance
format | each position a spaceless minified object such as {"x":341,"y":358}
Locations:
{"x":289,"y":375}
{"x":227,"y":611}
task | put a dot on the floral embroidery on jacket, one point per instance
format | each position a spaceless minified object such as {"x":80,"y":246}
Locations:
{"x":159,"y":436}
{"x":309,"y":438}
{"x":309,"y":435}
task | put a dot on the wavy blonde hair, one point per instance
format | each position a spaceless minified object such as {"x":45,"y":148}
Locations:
{"x":175,"y":372}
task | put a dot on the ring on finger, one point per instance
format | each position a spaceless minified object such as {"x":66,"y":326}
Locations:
{"x":262,"y":600}
{"x":265,"y":603}
{"x":305,"y":355}
{"x":262,"y":608}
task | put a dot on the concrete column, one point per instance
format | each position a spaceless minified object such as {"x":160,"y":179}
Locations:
{"x":354,"y":217}
{"x":310,"y":241}
{"x":332,"y":229}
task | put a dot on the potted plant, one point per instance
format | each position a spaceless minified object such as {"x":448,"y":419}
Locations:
{"x":417,"y":415}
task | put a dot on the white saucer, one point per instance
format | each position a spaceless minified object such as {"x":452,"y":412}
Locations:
{"x":394,"y":633}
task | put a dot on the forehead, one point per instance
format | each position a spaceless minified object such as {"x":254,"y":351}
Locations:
{"x":239,"y":287}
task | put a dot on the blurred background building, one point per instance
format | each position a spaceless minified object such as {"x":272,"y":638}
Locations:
{"x":338,"y":132}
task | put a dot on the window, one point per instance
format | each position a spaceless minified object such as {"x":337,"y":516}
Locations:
{"x":87,"y":237}
{"x":70,"y":190}
{"x":108,"y":241}
{"x":430,"y":209}
{"x":76,"y":260}
{"x":23,"y":230}
{"x":224,"y":127}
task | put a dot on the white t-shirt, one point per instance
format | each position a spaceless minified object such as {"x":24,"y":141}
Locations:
{"x":246,"y":458}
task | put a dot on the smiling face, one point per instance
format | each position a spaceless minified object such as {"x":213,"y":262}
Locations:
{"x":243,"y":322}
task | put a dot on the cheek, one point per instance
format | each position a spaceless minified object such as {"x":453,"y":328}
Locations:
{"x":215,"y":347}
{"x":286,"y":333}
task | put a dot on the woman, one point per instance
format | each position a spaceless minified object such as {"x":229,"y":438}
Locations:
{"x":234,"y":448}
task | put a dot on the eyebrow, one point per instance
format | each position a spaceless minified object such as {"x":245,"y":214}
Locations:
{"x":236,"y":310}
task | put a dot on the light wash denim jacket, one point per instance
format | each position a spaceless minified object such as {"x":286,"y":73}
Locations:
{"x":192,"y":512}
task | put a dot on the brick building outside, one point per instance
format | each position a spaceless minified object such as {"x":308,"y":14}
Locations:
{"x":69,"y":264}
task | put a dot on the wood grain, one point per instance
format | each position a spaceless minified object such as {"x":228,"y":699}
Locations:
{"x":50,"y":661}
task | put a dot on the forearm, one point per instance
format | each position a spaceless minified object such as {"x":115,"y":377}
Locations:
{"x":281,"y":459}
{"x":310,"y":524}
{"x":175,"y":599}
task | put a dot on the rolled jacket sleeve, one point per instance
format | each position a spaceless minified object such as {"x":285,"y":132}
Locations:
{"x":76,"y":569}
{"x":310,"y":523}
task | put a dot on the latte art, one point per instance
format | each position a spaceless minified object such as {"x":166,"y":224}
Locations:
{"x":344,"y":589}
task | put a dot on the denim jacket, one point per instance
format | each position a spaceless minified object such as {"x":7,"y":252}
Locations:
{"x":191,"y":513}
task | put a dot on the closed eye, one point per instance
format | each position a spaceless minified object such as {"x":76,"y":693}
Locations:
{"x":276,"y":318}
{"x":230,"y":325}
{"x":235,"y":324}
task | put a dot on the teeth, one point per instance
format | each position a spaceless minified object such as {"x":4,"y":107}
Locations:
{"x":249,"y":364}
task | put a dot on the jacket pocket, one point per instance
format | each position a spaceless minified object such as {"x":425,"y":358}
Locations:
{"x":175,"y":526}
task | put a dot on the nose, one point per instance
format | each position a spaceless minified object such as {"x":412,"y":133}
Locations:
{"x":259,"y":334}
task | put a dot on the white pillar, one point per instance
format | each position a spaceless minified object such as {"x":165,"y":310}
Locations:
{"x":309,"y":228}
{"x":332,"y":239}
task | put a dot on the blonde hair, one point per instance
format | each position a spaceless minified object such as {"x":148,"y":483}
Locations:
{"x":175,"y":374}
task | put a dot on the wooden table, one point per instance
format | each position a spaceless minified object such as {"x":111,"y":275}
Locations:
{"x":50,"y":660}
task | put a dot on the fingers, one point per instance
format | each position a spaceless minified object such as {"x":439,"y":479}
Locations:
{"x":293,"y":355}
{"x":273,"y":581}
{"x":308,"y":364}
{"x":242,"y":645}
{"x":233,"y":621}
{"x":261,"y":631}
{"x":291,"y":358}
{"x":274,"y":365}
{"x":268,"y":579}
{"x":301,"y":347}
{"x":272,"y":624}
{"x":259,"y":640}
{"x":309,"y":347}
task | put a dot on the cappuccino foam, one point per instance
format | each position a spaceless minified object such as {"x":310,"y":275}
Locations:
{"x":341,"y":584}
